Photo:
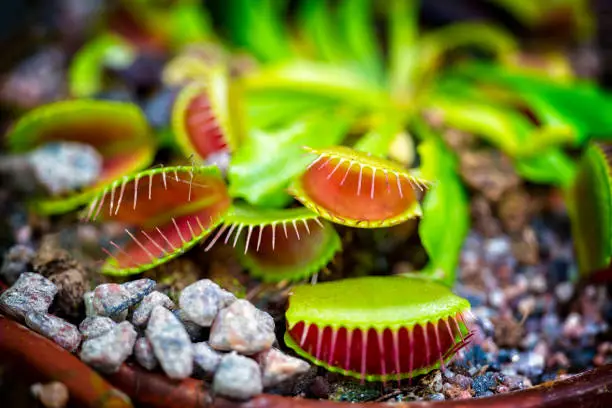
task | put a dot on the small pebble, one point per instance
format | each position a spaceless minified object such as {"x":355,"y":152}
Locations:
{"x":501,"y":389}
{"x":497,"y":248}
{"x":462,"y":381}
{"x":138,"y":289}
{"x":436,"y":397}
{"x":564,"y":291}
{"x":278,"y":367}
{"x":433,"y":381}
{"x":31,"y":293}
{"x":530,"y":340}
{"x":483,"y":383}
{"x":453,"y":391}
{"x":202,"y":300}
{"x":145,"y":356}
{"x":237,"y":377}
{"x":54,"y":328}
{"x":16,"y":262}
{"x":448,"y":373}
{"x":497,"y":298}
{"x":140,"y":317}
{"x":171,"y":343}
{"x":51,"y":395}
{"x":107,"y":352}
{"x":530,"y":364}
{"x":95,"y":326}
{"x":112,"y":300}
{"x":65,"y":166}
{"x":573,"y":328}
{"x":241,"y":327}
{"x":205,"y":357}
{"x":537,"y":283}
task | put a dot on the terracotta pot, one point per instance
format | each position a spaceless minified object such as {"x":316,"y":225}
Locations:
{"x":42,"y":360}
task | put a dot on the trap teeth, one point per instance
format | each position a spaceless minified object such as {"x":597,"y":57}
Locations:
{"x":168,"y":210}
{"x":352,"y":188}
{"x":276,"y":245}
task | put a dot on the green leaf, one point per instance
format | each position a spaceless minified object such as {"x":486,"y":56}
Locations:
{"x":357,"y":26}
{"x":319,"y":79}
{"x":262,"y":168}
{"x":502,"y":126}
{"x":446,"y":219}
{"x":550,"y":166}
{"x":505,"y":129}
{"x":273,"y":108}
{"x":320,"y":30}
{"x":258,"y":26}
{"x":581,"y":106}
{"x":189,"y":23}
{"x":403,"y":16}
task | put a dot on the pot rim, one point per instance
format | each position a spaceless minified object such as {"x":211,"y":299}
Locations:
{"x":46,"y":361}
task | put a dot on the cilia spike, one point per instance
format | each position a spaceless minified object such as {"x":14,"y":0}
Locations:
{"x":352,"y":188}
{"x":168,"y":209}
{"x":277,"y":245}
{"x":406,"y":327}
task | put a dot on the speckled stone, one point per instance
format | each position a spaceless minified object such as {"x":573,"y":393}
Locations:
{"x":65,"y":166}
{"x":95,"y":326}
{"x":112,"y":300}
{"x":144,"y":354}
{"x":205,"y":357}
{"x":241,"y":327}
{"x":107,"y":352}
{"x":138,"y":289}
{"x":171,"y":343}
{"x":278,"y":367}
{"x":31,"y":293}
{"x":202,"y":300}
{"x":237,"y":377}
{"x":54,"y":328}
{"x":140,"y":317}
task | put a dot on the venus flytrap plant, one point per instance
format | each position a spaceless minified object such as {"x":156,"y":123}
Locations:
{"x":590,"y":204}
{"x":204,"y":115}
{"x":377,"y":328}
{"x":359,"y":190}
{"x":117,"y":131}
{"x":86,"y":74}
{"x":170,"y":210}
{"x":288,"y":244}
